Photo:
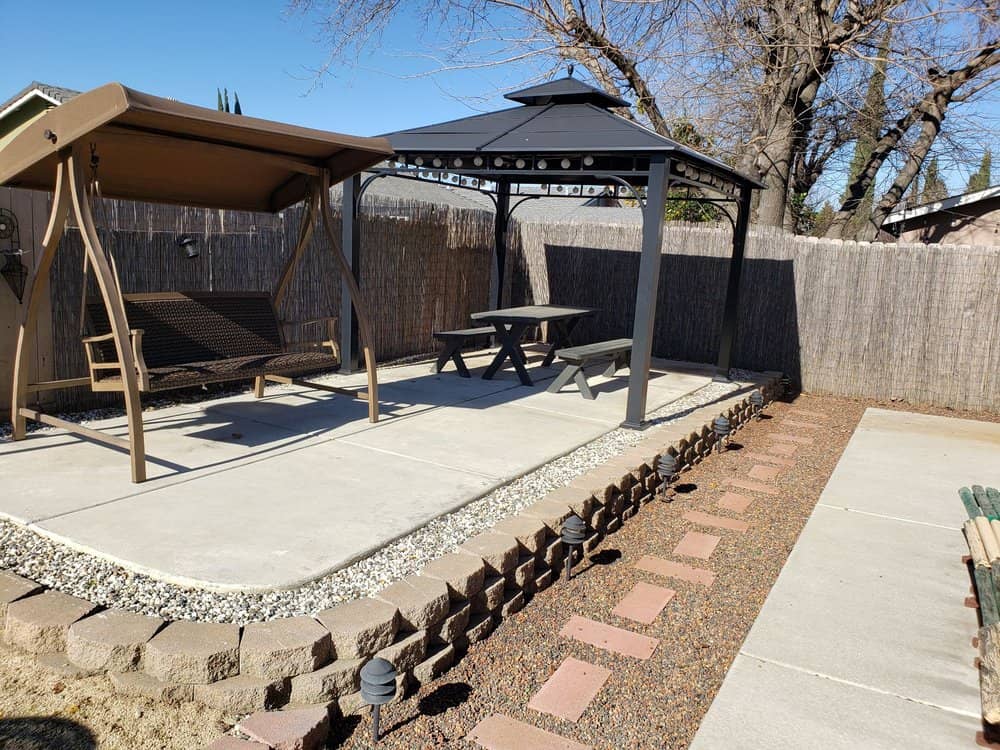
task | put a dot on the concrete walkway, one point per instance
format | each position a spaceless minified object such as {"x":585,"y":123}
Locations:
{"x":864,"y":641}
{"x":258,"y":494}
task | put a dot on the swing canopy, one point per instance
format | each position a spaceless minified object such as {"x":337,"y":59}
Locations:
{"x":164,"y":151}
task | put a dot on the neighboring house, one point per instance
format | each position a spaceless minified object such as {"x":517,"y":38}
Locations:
{"x":27,"y":104}
{"x":969,"y":219}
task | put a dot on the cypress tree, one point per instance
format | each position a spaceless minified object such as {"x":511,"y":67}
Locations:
{"x":218,"y":93}
{"x":983,"y":178}
{"x":935,"y":188}
{"x":225,"y":95}
{"x":237,"y":109}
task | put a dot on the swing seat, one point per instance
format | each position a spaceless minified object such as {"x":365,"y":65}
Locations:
{"x":181,"y":340}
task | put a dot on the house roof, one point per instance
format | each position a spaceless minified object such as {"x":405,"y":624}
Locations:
{"x":164,"y":151}
{"x":51,"y":94}
{"x":956,"y":201}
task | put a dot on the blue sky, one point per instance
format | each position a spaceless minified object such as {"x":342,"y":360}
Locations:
{"x":186,"y":49}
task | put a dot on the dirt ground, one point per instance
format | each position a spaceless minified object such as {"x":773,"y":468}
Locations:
{"x":43,"y":711}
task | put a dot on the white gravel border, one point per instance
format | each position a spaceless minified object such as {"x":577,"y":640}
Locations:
{"x":106,"y":583}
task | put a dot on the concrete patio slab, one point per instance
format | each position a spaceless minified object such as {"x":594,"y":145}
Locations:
{"x":272,"y":523}
{"x":763,"y":705}
{"x":258,"y":494}
{"x":899,"y":455}
{"x":863,"y":640}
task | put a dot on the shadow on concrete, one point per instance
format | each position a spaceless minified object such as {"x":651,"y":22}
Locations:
{"x":45,"y":733}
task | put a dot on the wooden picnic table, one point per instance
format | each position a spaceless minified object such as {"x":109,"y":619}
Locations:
{"x":510,"y":324}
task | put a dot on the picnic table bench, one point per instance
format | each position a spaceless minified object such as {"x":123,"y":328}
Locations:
{"x":510,"y":324}
{"x":453,"y":343}
{"x":618,"y":351}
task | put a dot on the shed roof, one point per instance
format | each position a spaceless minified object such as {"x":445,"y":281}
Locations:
{"x":160,"y":150}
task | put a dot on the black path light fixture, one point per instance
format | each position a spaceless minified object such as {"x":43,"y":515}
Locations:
{"x":14,"y":272}
{"x":666,"y":470}
{"x":574,"y":530}
{"x":757,"y":403}
{"x":378,"y":687}
{"x":721,"y":428}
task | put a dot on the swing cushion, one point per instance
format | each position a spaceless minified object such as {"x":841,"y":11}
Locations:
{"x":195,"y":338}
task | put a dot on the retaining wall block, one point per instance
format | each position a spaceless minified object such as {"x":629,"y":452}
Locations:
{"x":462,"y":573}
{"x":454,"y":624}
{"x":422,"y":601}
{"x":522,"y":574}
{"x":142,"y":685}
{"x":409,"y":650}
{"x":550,"y":511}
{"x":241,"y":694}
{"x":498,"y":551}
{"x":361,"y":627}
{"x":193,"y":652}
{"x":284,"y":647}
{"x":340,"y":677}
{"x":14,"y":587}
{"x":113,"y":640}
{"x":530,"y":532}
{"x":490,"y":597}
{"x":440,"y":657}
{"x":513,"y":601}
{"x":40,"y":623}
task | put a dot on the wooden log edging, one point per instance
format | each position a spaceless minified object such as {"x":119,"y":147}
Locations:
{"x":422,"y":624}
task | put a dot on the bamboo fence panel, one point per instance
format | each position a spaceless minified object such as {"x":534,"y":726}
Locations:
{"x":918,"y":323}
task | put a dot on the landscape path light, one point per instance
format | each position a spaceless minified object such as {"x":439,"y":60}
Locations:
{"x":757,"y":402}
{"x":666,"y":469}
{"x":721,"y":428}
{"x":574,"y":529}
{"x":378,"y":686}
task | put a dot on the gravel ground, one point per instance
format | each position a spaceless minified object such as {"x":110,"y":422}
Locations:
{"x":40,"y":711}
{"x":658,"y":703}
{"x":106,"y":583}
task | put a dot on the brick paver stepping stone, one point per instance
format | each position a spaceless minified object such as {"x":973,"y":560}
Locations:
{"x":696,"y":544}
{"x":783,"y":449}
{"x":644,"y":602}
{"x":719,"y":522}
{"x":800,"y":439}
{"x":113,"y":640}
{"x":502,"y":733}
{"x":764,"y":473}
{"x":228,"y":742}
{"x":734,"y":501}
{"x":768,"y":458}
{"x":570,"y":689}
{"x":295,"y":729}
{"x":749,"y":484}
{"x":677,"y":570}
{"x":39,"y":623}
{"x":609,"y":638}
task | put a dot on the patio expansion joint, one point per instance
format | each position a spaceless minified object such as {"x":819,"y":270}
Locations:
{"x":888,"y":517}
{"x":859,"y":685}
{"x":347,"y":441}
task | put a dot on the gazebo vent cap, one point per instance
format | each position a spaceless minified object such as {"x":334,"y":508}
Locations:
{"x":566,"y":90}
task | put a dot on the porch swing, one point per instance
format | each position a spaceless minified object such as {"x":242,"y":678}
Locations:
{"x":152,"y":149}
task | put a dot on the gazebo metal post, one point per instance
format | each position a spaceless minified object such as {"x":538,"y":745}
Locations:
{"x":350,"y":359}
{"x":731,"y":307}
{"x":500,"y":226}
{"x":646,"y":290}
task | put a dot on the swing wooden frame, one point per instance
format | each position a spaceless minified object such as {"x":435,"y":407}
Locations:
{"x":296,"y":164}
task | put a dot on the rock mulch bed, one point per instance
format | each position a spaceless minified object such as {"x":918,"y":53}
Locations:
{"x":102,"y":582}
{"x":659,"y":701}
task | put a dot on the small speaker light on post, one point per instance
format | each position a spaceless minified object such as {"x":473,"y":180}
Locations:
{"x":189,"y":245}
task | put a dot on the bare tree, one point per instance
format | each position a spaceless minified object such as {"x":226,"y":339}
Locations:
{"x":776,"y":85}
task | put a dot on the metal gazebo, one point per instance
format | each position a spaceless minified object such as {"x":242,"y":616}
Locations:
{"x":564,"y":138}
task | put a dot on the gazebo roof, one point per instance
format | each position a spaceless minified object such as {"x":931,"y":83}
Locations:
{"x":564,"y":132}
{"x":164,"y":151}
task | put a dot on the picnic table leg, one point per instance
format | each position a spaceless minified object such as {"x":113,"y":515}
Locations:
{"x":615,"y":365}
{"x":509,"y":348}
{"x":581,"y":380}
{"x":562,"y":330}
{"x":456,"y":357}
{"x":568,"y":373}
